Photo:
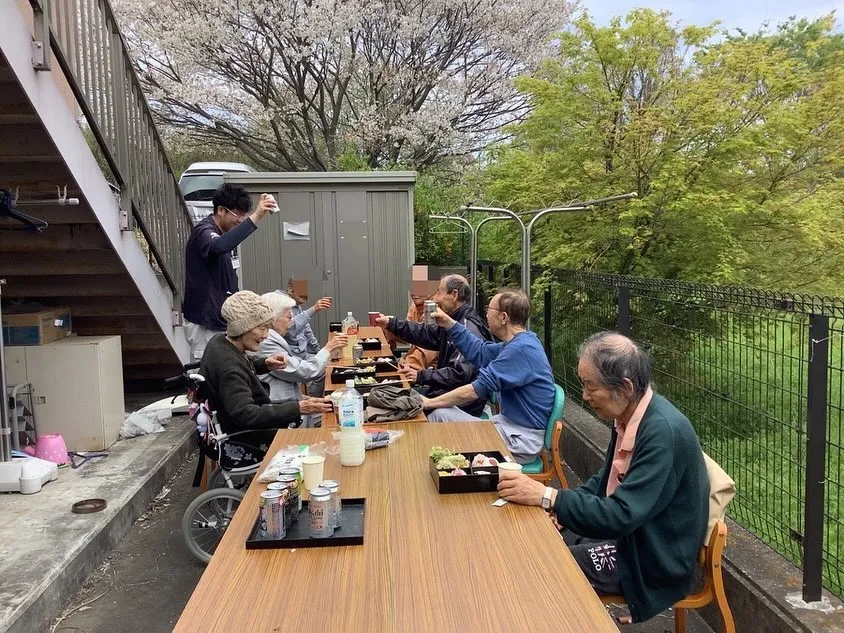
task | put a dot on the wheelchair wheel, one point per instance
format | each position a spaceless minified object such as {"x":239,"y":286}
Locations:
{"x":240,"y":481}
{"x":207,"y":519}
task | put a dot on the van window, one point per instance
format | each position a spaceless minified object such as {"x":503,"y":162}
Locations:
{"x":200,"y":187}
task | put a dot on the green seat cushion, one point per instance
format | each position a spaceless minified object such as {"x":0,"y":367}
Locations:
{"x":533,"y":468}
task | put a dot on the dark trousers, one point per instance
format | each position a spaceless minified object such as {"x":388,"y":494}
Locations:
{"x":598,"y":561}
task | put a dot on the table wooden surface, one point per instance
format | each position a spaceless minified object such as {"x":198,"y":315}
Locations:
{"x":430,"y":562}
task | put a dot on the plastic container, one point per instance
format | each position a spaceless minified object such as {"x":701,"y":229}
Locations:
{"x":352,"y":435}
{"x":350,"y":325}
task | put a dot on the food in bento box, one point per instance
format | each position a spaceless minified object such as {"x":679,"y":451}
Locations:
{"x":365,"y":380}
{"x":446,"y":459}
{"x":482,"y":460}
{"x":457,"y":472}
{"x":372,"y":340}
{"x":365,"y":361}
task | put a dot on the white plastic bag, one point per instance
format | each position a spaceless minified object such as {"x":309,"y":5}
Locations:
{"x":138,"y":423}
{"x":377,"y":438}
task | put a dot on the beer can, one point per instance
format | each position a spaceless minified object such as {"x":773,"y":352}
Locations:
{"x":292,"y":472}
{"x":320,"y":511}
{"x":357,"y":352}
{"x":289,"y":482}
{"x":334,"y":488}
{"x":272,"y":514}
{"x":428,"y":315}
{"x":291,"y":496}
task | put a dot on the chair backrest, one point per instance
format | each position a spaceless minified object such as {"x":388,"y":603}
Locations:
{"x":721,"y":491}
{"x":556,"y":414}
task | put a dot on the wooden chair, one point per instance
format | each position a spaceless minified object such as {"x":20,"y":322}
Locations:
{"x":713,"y":588}
{"x":549,"y":462}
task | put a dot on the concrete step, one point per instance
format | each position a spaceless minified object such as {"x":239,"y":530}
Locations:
{"x":47,"y":551}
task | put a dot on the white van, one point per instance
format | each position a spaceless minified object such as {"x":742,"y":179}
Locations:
{"x":200,"y":181}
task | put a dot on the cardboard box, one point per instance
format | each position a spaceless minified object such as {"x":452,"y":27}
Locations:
{"x":33,"y":324}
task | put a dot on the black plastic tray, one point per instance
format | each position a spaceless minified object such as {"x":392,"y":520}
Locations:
{"x":470,"y":482}
{"x":340,"y":374}
{"x":392,"y":380}
{"x":350,"y":533}
{"x":384,"y":368}
{"x":370,"y":347}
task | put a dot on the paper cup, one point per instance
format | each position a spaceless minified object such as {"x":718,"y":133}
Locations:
{"x":372,"y":317}
{"x":313,"y":469}
{"x":506,"y":468}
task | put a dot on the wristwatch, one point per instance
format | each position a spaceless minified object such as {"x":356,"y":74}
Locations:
{"x":546,"y":498}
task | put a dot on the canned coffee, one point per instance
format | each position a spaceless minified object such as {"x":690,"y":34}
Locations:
{"x":320,"y":511}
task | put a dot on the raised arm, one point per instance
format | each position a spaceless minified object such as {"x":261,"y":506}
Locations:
{"x":476,"y":350}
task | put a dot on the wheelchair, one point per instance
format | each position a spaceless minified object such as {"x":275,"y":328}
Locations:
{"x":208,"y":516}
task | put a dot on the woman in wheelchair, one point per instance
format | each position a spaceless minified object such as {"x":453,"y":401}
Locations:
{"x":285,"y":384}
{"x":236,"y":393}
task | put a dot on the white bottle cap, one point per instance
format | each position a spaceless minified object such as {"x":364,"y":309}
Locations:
{"x":350,"y":384}
{"x":349,"y":314}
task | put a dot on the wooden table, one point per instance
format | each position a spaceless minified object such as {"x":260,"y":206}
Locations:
{"x":430,"y":563}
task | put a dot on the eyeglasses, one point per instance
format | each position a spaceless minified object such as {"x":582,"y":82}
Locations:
{"x":488,"y":308}
{"x":239,"y":216}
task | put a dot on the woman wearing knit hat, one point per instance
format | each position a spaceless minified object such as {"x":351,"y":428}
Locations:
{"x":241,"y":402}
{"x":284,"y":383}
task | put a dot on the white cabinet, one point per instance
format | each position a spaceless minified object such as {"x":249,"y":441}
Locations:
{"x":78,"y":388}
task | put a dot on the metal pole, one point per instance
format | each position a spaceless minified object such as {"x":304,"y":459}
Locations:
{"x":509,"y":214}
{"x":816,"y":410}
{"x":526,"y":260}
{"x":546,"y":327}
{"x":5,"y":427}
{"x":624,"y":310}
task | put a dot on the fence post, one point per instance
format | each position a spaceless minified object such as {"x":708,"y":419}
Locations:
{"x":119,"y":98}
{"x":547,"y":325}
{"x":624,"y":310}
{"x":816,"y":409}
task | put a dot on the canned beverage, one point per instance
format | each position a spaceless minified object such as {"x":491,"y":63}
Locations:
{"x":334,"y":488}
{"x":357,"y":352}
{"x":290,"y":482}
{"x":290,"y":500}
{"x":320,"y":510}
{"x":272,"y":514}
{"x":428,"y":315}
{"x":292,"y":472}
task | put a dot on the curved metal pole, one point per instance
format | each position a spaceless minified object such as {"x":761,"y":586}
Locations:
{"x":473,"y":250}
{"x":509,"y":214}
{"x":474,"y":260}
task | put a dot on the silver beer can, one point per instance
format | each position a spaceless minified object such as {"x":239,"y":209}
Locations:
{"x":291,"y":483}
{"x":334,"y":488}
{"x":320,"y":512}
{"x":357,"y":352}
{"x":272,"y":514}
{"x":428,"y":315}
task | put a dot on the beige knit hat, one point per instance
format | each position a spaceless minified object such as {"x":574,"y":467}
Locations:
{"x":244,"y":311}
{"x":278,"y":301}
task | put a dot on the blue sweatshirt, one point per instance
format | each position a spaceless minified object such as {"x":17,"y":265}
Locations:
{"x":517,"y":370}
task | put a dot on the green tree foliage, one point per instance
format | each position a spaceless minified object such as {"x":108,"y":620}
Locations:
{"x":734,"y":145}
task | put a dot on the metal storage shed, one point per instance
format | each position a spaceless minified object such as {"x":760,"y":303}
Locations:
{"x":349,"y":234}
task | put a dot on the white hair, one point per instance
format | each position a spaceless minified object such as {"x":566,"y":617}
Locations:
{"x":278,"y":302}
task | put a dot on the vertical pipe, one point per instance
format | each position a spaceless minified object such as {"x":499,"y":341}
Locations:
{"x":546,"y":326}
{"x":5,"y":430}
{"x":816,"y":411}
{"x":624,"y":310}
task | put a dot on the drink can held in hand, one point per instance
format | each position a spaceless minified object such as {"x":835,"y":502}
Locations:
{"x":357,"y":352}
{"x":272,"y":514}
{"x":320,"y":512}
{"x":428,"y":315}
{"x":333,"y":487}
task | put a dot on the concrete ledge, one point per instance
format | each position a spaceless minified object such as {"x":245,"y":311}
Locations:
{"x":47,"y":552}
{"x":756,"y":578}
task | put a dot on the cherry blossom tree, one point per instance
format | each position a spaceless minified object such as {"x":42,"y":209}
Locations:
{"x":301,"y":84}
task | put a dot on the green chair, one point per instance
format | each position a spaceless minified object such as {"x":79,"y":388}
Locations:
{"x":492,"y":401}
{"x":549,"y":462}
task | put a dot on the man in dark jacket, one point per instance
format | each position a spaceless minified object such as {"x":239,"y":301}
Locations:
{"x":635,"y":528}
{"x":211,"y":262}
{"x":452,"y":369}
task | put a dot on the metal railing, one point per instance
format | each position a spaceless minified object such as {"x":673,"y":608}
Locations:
{"x":88,"y":46}
{"x":760,"y":375}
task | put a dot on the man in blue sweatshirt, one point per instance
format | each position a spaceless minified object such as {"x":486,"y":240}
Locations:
{"x":210,"y":266}
{"x":515,"y":369}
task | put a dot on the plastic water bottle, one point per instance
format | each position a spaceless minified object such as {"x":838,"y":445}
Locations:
{"x":352,"y":435}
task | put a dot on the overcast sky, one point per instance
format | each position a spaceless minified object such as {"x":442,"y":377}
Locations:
{"x":745,"y":14}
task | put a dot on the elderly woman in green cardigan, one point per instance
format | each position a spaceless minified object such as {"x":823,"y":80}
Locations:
{"x":635,"y":528}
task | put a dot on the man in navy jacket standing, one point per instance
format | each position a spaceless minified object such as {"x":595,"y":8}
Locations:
{"x":211,"y":264}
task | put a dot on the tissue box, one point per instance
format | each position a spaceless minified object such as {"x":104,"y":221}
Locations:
{"x":31,"y":324}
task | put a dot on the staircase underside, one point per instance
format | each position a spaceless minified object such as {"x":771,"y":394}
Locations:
{"x":71,"y":263}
